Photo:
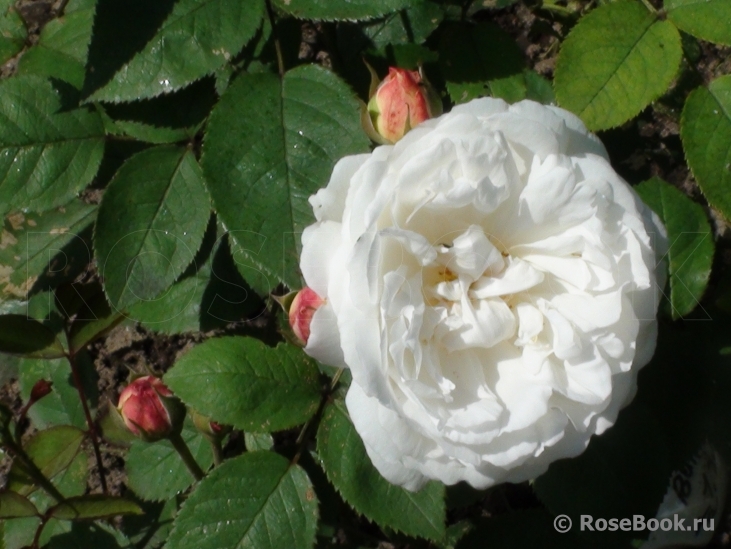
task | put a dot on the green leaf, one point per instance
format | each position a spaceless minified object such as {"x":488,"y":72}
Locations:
{"x":616,"y":61}
{"x":48,"y":153}
{"x":349,"y":468}
{"x":323,"y":10}
{"x":14,"y":505}
{"x":12,"y":31}
{"x":211,"y":294}
{"x":258,"y":441}
{"x":101,"y":320}
{"x":94,"y":507}
{"x":708,"y":19}
{"x":412,"y":25}
{"x":62,"y":406}
{"x":690,"y":256}
{"x":63,"y":45}
{"x":240,"y":381}
{"x":705,"y":128}
{"x":270,"y":144}
{"x":198,"y":37}
{"x":40,"y":250}
{"x":20,"y":335}
{"x":148,"y":132}
{"x":151,"y":222}
{"x":152,"y":529}
{"x":257,"y":500}
{"x":156,"y":472}
{"x":51,"y":450}
{"x":70,"y":482}
{"x":479,"y":60}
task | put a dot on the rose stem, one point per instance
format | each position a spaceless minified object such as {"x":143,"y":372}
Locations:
{"x":182,"y":448}
{"x":30,"y":467}
{"x":217,"y":451}
{"x":277,"y":45}
{"x":304,"y":433}
{"x":71,"y":356}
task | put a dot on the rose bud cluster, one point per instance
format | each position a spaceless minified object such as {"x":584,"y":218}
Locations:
{"x":491,"y":283}
{"x":400,"y":102}
{"x":150,"y":410}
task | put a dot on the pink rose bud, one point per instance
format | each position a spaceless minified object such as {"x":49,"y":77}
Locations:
{"x":305,"y":303}
{"x":207,"y":427}
{"x":148,"y":408}
{"x":39,"y":390}
{"x":400,"y":102}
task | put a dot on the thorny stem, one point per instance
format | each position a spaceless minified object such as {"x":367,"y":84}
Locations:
{"x":182,"y":448}
{"x":71,"y":356}
{"x":277,"y":44}
{"x":30,"y":467}
{"x":307,"y":428}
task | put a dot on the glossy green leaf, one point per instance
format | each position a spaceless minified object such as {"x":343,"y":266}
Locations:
{"x":48,"y":153}
{"x":615,"y":61}
{"x":39,"y":250}
{"x":242,"y":382}
{"x":324,"y":10}
{"x":477,"y":58}
{"x":258,"y":441}
{"x":12,"y":31}
{"x":94,"y":328}
{"x":63,"y":45}
{"x":271,"y":143}
{"x":151,"y":223}
{"x":690,"y":255}
{"x":20,"y":335}
{"x":706,"y":19}
{"x":347,"y":465}
{"x":210,"y":294}
{"x":147,"y":132}
{"x":156,"y":472}
{"x":52,"y":450}
{"x":14,"y":505}
{"x":93,"y":507}
{"x":151,"y":530}
{"x":705,"y":128}
{"x":62,"y":406}
{"x":412,"y":25}
{"x":71,"y":482}
{"x":198,"y":37}
{"x":255,"y":501}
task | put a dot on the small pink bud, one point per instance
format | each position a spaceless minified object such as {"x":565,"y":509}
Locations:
{"x":401,"y":101}
{"x":305,"y":303}
{"x":145,"y":407}
{"x":39,"y":390}
{"x":210,"y":429}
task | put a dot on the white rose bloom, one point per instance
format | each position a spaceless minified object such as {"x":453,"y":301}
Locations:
{"x":490,"y":282}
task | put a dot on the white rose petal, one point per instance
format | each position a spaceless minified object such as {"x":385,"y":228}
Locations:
{"x":491,"y":283}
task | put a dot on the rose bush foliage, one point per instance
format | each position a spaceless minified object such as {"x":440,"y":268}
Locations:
{"x":491,"y":284}
{"x":476,"y":300}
